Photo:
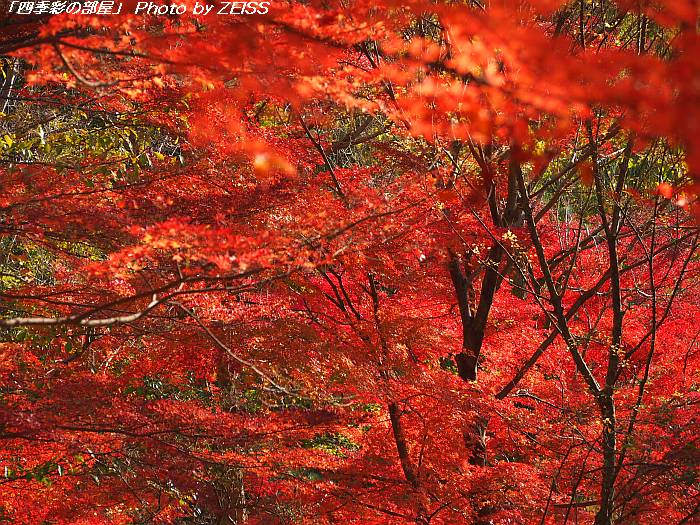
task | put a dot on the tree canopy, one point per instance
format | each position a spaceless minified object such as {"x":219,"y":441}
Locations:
{"x":430,"y":262}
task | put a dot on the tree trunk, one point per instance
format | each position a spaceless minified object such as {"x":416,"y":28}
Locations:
{"x":476,"y":442}
{"x":409,"y":468}
{"x":607,"y":493}
{"x":467,"y":364}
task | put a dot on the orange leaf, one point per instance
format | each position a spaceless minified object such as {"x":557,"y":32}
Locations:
{"x":586,"y":171}
{"x":665,"y":190}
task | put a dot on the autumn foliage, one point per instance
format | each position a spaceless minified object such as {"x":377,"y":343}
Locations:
{"x":428,"y":262}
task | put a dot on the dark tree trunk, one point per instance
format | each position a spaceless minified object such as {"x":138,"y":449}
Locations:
{"x":607,"y":492}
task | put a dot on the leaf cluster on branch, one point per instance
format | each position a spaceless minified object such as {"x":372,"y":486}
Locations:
{"x":349,"y":262}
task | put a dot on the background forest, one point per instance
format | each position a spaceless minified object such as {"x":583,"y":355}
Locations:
{"x":429,"y":262}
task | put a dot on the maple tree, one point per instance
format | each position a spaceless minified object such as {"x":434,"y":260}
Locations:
{"x":408,"y":262}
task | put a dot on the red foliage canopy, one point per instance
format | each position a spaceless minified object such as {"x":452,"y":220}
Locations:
{"x":399,"y":262}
